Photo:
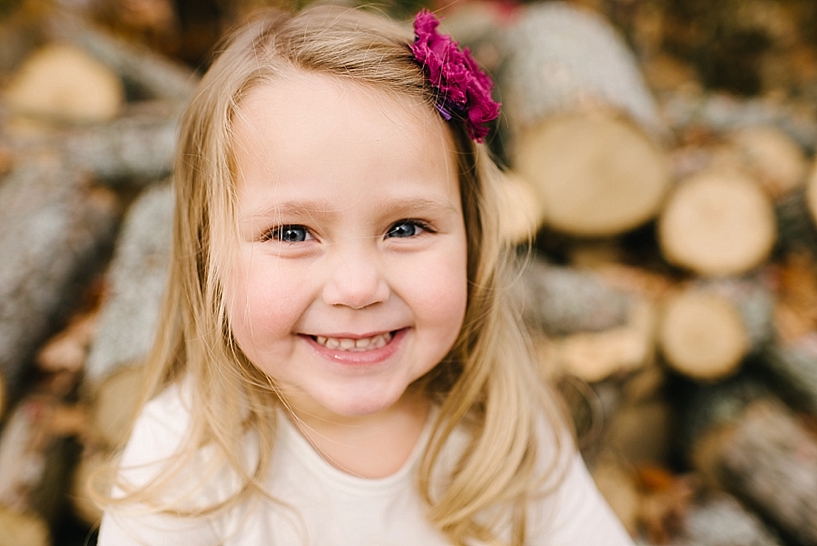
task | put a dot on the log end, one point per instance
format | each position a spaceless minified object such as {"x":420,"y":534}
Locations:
{"x":22,"y":528}
{"x":717,"y":223}
{"x":115,"y":402}
{"x":63,"y":83}
{"x":596,"y":175}
{"x":521,"y":212}
{"x":702,"y":335}
{"x":772,"y":156}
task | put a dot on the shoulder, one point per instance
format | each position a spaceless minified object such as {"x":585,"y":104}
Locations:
{"x":565,"y":507}
{"x":152,"y":454}
{"x":157,"y":435}
{"x":569,"y":509}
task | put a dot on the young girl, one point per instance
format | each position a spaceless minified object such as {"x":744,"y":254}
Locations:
{"x":339,"y":362}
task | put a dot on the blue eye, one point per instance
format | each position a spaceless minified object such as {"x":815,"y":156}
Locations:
{"x":290,"y":234}
{"x":405,"y":228}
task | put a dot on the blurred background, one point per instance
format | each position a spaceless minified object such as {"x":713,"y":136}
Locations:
{"x":658,"y":158}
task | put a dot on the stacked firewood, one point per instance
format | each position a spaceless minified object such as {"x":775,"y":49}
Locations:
{"x":683,"y":226}
{"x":88,"y":126}
{"x":671,"y":292}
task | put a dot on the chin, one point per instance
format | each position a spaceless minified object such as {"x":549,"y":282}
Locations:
{"x":362,"y":406}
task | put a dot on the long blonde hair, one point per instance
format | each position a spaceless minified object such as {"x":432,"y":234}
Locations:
{"x":488,"y":384}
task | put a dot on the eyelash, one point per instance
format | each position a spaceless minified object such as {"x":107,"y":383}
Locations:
{"x":413,"y":222}
{"x":276,"y":233}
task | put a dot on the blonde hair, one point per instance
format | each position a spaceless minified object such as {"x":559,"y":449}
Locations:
{"x":488,"y":384}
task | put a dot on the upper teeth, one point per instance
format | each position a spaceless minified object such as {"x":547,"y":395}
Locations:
{"x":347,"y":344}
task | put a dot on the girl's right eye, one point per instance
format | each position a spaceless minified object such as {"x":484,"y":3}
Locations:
{"x":289,"y":234}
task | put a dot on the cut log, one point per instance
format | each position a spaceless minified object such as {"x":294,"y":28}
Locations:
{"x":559,"y":58}
{"x":718,"y":519}
{"x":722,"y":112}
{"x":642,"y":432}
{"x":637,"y":280}
{"x":83,"y":507}
{"x":594,"y":356}
{"x":596,"y":175}
{"x":521,"y":212}
{"x":582,"y":121}
{"x":135,"y":149}
{"x":717,"y":223}
{"x":137,"y":276}
{"x":114,"y":405}
{"x":617,"y":483}
{"x":774,"y":158}
{"x":52,"y":225}
{"x":18,"y":37}
{"x":138,"y":148}
{"x":560,"y":300}
{"x":665,"y":498}
{"x":795,"y":220}
{"x":63,"y":83}
{"x":68,"y":350}
{"x":127,"y":325}
{"x":22,"y":528}
{"x":35,"y":461}
{"x":794,"y":365}
{"x":708,"y":328}
{"x":795,"y":314}
{"x":148,"y":74}
{"x":749,"y":443}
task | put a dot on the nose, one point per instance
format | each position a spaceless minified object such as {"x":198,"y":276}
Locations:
{"x":355,"y":277}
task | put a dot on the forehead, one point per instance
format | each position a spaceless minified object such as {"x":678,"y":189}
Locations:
{"x":304,"y":129}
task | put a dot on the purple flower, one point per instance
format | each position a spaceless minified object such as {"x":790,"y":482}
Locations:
{"x":464,"y":88}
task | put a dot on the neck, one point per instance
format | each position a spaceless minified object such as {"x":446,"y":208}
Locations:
{"x":373,"y":446}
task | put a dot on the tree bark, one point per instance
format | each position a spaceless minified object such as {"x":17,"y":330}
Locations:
{"x":560,"y":58}
{"x":794,"y":365}
{"x":721,"y":112}
{"x":796,"y":220}
{"x":560,"y":300}
{"x":718,"y":519}
{"x":751,"y":444}
{"x":148,"y":74}
{"x":35,"y":461}
{"x":52,"y":226}
{"x":137,"y":276}
{"x":131,"y":151}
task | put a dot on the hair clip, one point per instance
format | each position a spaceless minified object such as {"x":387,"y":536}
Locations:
{"x":464,"y":89}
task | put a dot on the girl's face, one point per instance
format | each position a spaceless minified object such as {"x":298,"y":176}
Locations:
{"x":349,"y":280}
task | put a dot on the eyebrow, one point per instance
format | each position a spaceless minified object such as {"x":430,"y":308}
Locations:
{"x":319,"y":208}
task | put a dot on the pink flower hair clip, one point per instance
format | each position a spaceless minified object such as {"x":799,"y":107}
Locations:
{"x":464,"y":89}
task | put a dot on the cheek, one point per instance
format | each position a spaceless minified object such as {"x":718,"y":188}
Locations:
{"x":259,"y":305}
{"x":442,"y":294}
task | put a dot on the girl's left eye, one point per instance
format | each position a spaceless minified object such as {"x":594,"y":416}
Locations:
{"x":406,"y":228}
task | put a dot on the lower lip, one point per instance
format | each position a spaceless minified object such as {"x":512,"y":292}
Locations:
{"x":360,"y":358}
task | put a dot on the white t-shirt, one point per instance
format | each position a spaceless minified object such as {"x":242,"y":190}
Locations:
{"x":326,"y":506}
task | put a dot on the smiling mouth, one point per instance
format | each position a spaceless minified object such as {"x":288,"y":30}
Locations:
{"x":354,"y":345}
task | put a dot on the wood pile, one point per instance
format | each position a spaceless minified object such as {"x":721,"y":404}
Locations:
{"x":87,"y":136}
{"x":694,"y":210}
{"x":671,"y":292}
